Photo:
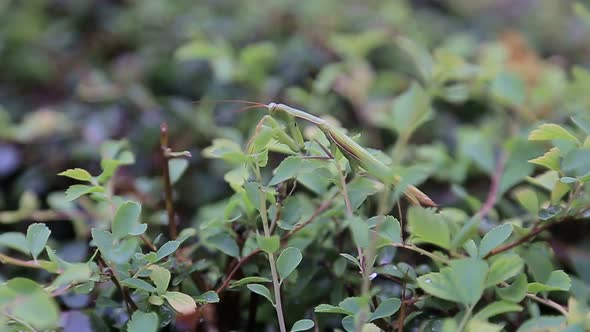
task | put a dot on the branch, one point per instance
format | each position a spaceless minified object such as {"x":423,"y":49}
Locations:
{"x":534,"y":232}
{"x":148,"y":243}
{"x":323,"y":207}
{"x":172,"y":230}
{"x":548,"y":303}
{"x":420,"y":251}
{"x":131,"y":306}
{"x":5,"y":259}
{"x":492,"y":196}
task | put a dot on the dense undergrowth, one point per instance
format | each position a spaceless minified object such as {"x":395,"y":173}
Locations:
{"x":126,"y":205}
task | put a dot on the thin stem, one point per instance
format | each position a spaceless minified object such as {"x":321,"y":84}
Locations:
{"x":172,"y":230}
{"x":271,"y":259}
{"x":236,"y":268}
{"x":5,"y":259}
{"x":130,"y":304}
{"x":402,"y":309}
{"x":421,"y":251}
{"x":492,"y":196}
{"x":349,"y":212}
{"x":148,"y":243}
{"x":344,"y":191}
{"x":20,"y":321}
{"x":534,"y":232}
{"x":466,"y":318}
{"x":323,"y":207}
{"x":366,"y":285}
{"x":548,"y":303}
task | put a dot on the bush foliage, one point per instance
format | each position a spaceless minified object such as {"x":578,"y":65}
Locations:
{"x":237,"y":215}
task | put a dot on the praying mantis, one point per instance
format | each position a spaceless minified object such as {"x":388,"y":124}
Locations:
{"x":357,"y":155}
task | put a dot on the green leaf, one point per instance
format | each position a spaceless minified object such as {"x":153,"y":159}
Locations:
{"x":476,"y":325}
{"x":14,"y":240}
{"x":386,"y":308}
{"x":550,"y":159}
{"x":360,"y":231}
{"x":349,"y":323}
{"x":225,"y":243}
{"x":261,"y":290}
{"x":199,"y":49}
{"x":582,"y":120}
{"x":559,"y":190}
{"x":467,"y":231}
{"x":331,"y":309}
{"x":287,"y":169}
{"x":428,"y":226}
{"x":517,"y":168}
{"x":27,"y":301}
{"x":77,"y":190}
{"x":463,"y":281}
{"x":353,"y":304}
{"x":302,"y":325}
{"x":123,"y":251}
{"x":208,"y":297}
{"x":577,"y":163}
{"x":161,"y":278}
{"x":360,"y":188}
{"x":317,"y":181}
{"x":471,"y":248}
{"x":543,"y":323}
{"x":557,"y":281}
{"x":411,"y":110}
{"x":496,"y":308}
{"x":138,"y":229}
{"x":227,"y":150}
{"x":269,"y":244}
{"x":167,"y":249}
{"x":138,"y":284}
{"x":249,"y":280}
{"x":119,"y":253}
{"x":288,"y":261}
{"x":103,"y":240}
{"x":177,"y":166}
{"x":389,"y":229}
{"x":514,"y":292}
{"x":352,"y":259}
{"x":419,"y":55}
{"x":143,"y":322}
{"x":508,"y":89}
{"x":538,"y":259}
{"x":111,"y":160}
{"x":494,"y":238}
{"x":551,"y":131}
{"x":503,"y":268}
{"x":77,"y":174}
{"x":549,"y":212}
{"x":37,"y":236}
{"x":180,"y":302}
{"x":126,"y":217}
{"x":73,"y":274}
{"x":475,"y":145}
{"x":156,"y":300}
{"x":528,"y":199}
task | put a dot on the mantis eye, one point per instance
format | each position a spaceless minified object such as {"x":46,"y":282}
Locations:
{"x":271,"y":107}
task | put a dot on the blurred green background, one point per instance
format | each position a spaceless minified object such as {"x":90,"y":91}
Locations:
{"x":75,"y":73}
